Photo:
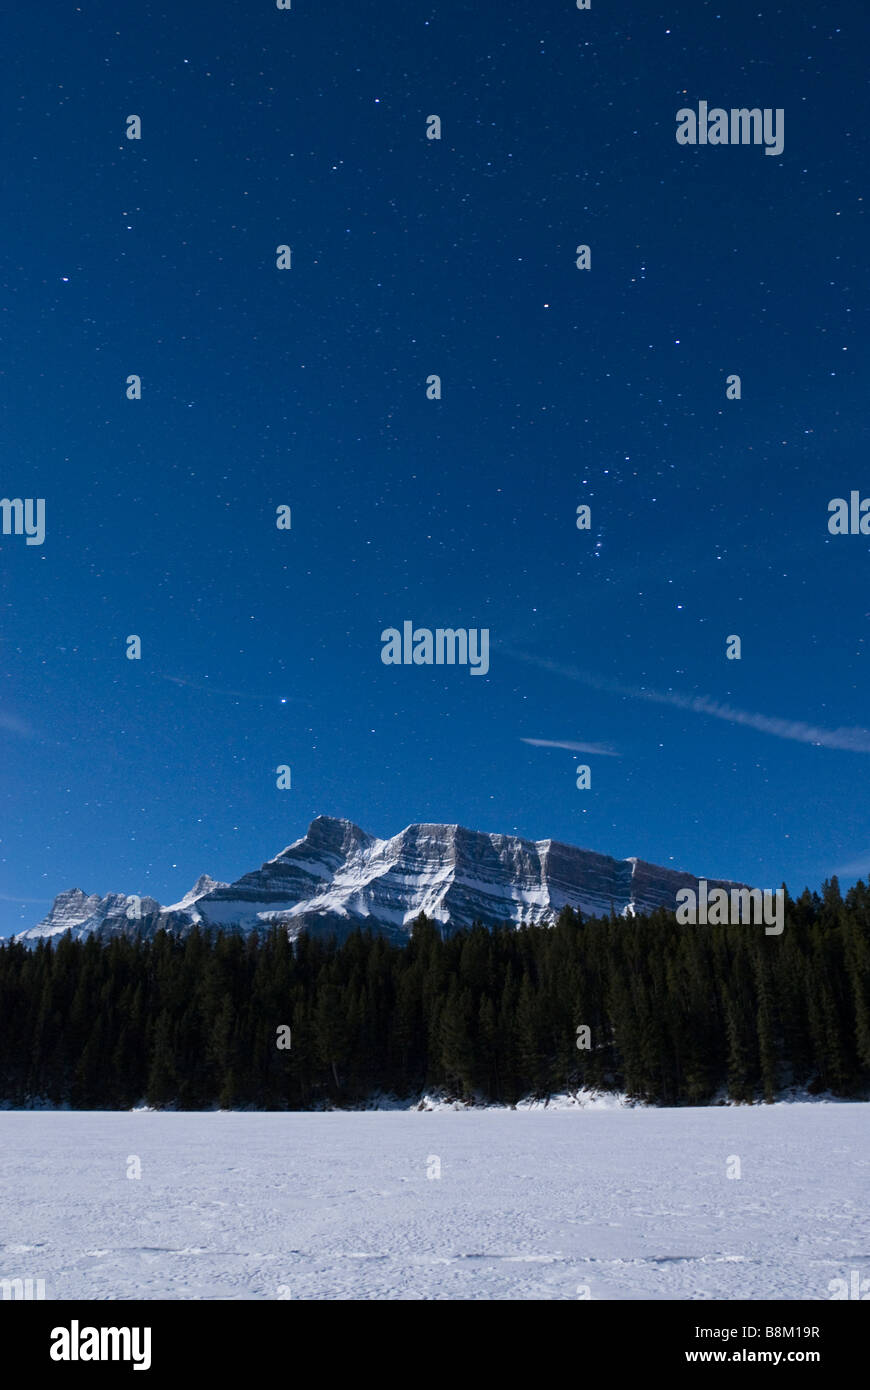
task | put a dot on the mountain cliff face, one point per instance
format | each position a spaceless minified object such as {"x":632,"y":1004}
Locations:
{"x":337,"y":878}
{"x":80,"y":914}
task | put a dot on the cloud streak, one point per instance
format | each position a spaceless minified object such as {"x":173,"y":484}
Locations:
{"x":857,"y":868}
{"x":599,"y":748}
{"x":204,"y":688}
{"x":847,"y":739}
{"x":13,"y":725}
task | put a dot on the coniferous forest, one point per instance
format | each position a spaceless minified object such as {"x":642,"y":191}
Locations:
{"x":675,"y":1014}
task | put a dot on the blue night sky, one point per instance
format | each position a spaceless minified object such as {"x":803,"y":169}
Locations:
{"x":307,"y":387}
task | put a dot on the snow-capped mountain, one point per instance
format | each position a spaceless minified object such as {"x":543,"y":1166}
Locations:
{"x":204,"y":884}
{"x":76,"y":912}
{"x":337,"y":877}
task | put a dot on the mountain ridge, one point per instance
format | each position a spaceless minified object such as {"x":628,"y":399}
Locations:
{"x":338,"y":877}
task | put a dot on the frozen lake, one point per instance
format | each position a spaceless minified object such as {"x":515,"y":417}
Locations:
{"x":529,"y":1204}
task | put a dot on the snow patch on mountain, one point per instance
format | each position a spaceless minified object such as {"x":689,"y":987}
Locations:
{"x":204,"y":884}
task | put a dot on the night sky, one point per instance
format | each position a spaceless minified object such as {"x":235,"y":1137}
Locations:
{"x":307,"y":388}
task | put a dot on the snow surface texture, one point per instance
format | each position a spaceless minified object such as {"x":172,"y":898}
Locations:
{"x":627,"y":1203}
{"x":337,"y":878}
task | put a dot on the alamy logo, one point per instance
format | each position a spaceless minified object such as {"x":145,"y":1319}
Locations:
{"x":446,"y":646}
{"x":857,"y":1288}
{"x":19,"y":519}
{"x":102,"y":1344}
{"x":23,"y":1289}
{"x":739,"y":126}
{"x":850,"y":518}
{"x":717,"y":909}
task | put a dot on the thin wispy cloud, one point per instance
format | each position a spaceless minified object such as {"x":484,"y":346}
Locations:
{"x":13,"y":725}
{"x":205,"y":687}
{"x":856,"y":868}
{"x":847,"y":739}
{"x":599,"y":748}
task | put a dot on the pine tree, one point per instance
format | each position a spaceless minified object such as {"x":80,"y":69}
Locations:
{"x":162,"y":1077}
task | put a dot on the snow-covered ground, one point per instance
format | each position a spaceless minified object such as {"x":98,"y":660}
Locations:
{"x":622,"y":1203}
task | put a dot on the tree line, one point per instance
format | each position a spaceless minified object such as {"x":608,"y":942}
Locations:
{"x":667,"y":1013}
